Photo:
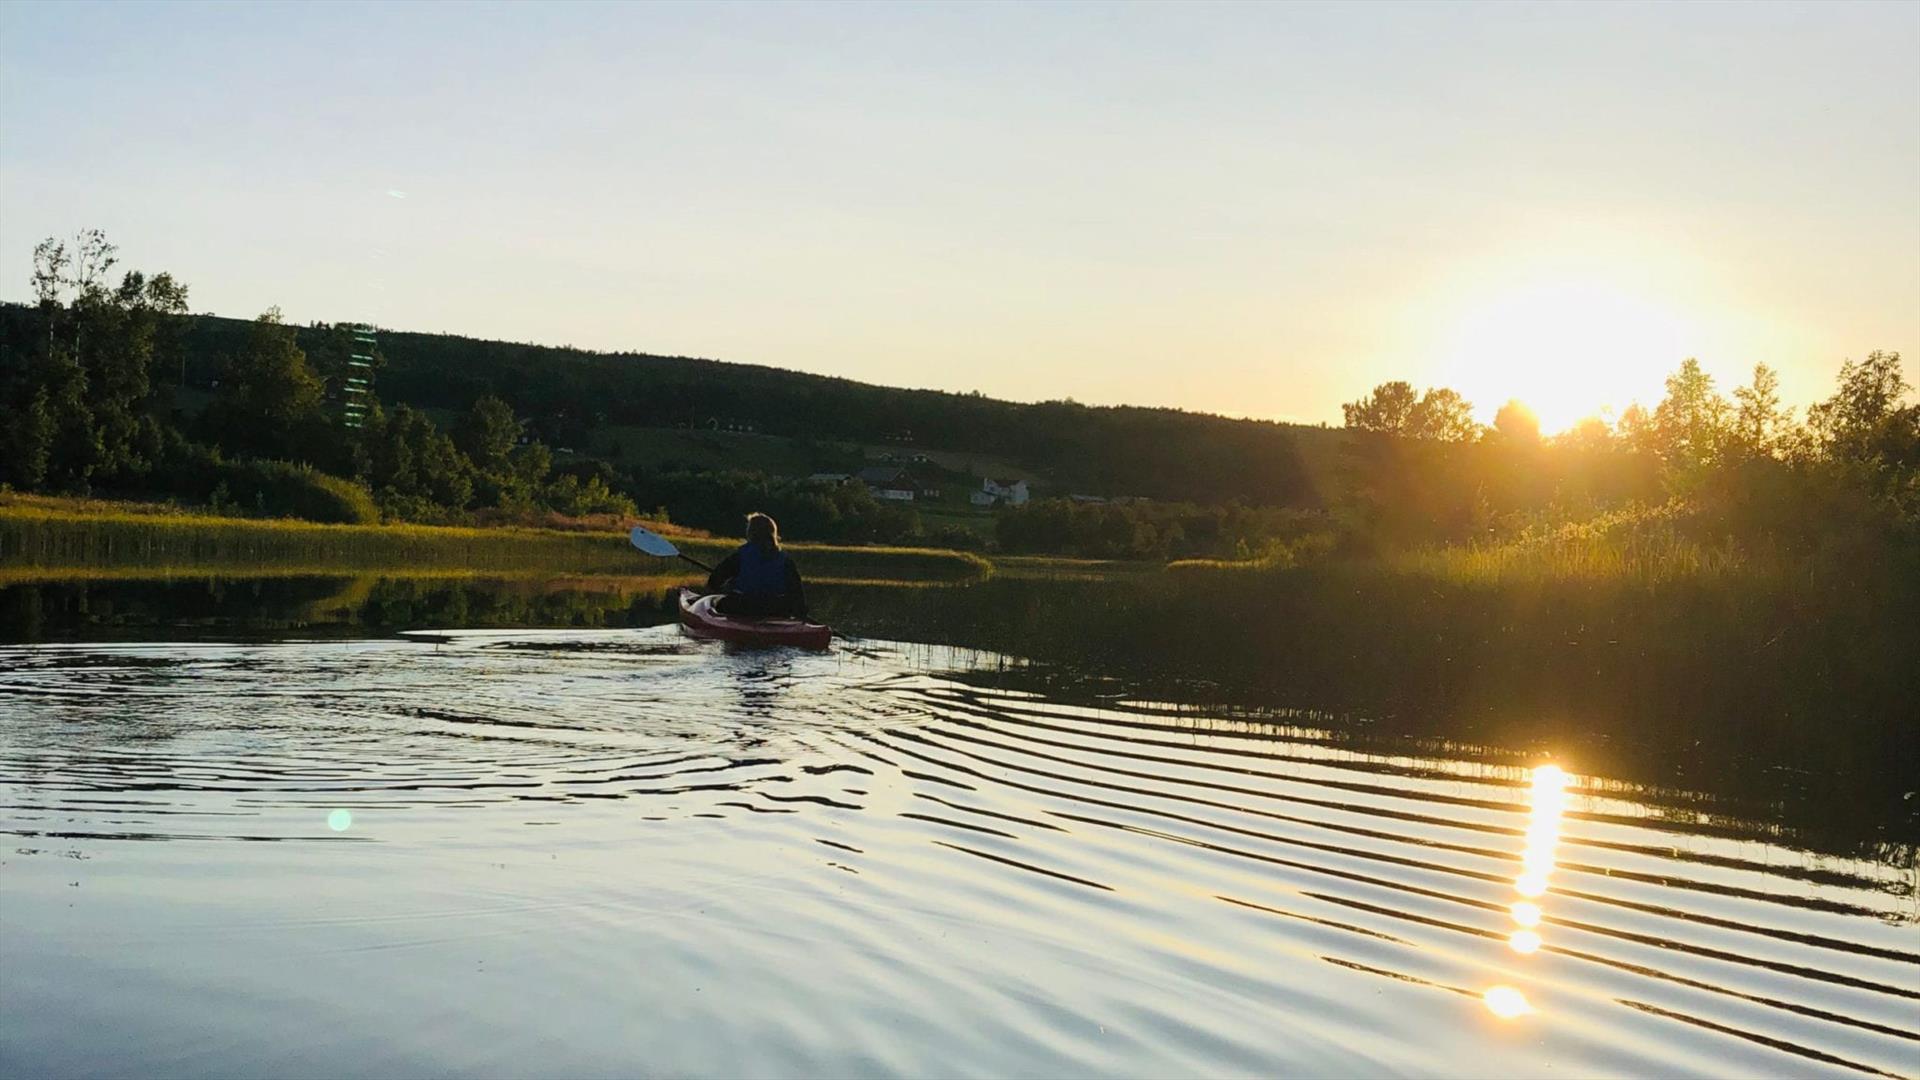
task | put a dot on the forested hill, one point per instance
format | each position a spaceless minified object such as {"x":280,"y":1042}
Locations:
{"x":565,"y":393}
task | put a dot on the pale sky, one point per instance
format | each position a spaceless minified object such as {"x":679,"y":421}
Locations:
{"x":1252,"y":210}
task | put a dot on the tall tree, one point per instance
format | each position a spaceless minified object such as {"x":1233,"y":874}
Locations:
{"x":1394,"y":408}
{"x":1386,"y":409}
{"x":1443,"y":416}
{"x":88,"y":364}
{"x":1864,"y":410}
{"x":1760,"y":425}
{"x":488,"y":433}
{"x":1691,"y":424}
{"x":1516,"y":423}
{"x":269,"y":397}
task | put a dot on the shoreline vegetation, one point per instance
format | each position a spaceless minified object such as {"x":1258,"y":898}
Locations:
{"x":45,"y":538}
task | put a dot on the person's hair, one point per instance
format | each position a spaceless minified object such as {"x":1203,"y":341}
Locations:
{"x":763,"y":530}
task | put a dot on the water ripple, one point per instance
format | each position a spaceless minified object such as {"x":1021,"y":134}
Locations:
{"x":714,"y":862}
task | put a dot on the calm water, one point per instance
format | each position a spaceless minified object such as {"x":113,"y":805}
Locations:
{"x":610,"y":851}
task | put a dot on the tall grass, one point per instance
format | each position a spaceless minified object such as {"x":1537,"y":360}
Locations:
{"x":67,"y":536}
{"x":1632,"y":547}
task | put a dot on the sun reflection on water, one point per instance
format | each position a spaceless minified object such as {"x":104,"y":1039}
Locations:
{"x":1507,"y":1003}
{"x":1547,"y":803}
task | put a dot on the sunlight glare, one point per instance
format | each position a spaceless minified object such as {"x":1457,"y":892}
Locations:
{"x":1568,"y":348}
{"x":340,"y":820}
{"x":1524,"y":942}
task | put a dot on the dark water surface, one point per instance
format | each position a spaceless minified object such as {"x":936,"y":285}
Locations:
{"x":613,"y":850}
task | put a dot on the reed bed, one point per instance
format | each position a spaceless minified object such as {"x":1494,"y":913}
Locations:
{"x":1635,"y":547}
{"x":50,"y":535}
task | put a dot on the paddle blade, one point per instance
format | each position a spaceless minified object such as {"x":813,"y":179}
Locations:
{"x":652,"y":543}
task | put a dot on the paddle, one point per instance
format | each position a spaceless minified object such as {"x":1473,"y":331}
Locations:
{"x":654,"y":544}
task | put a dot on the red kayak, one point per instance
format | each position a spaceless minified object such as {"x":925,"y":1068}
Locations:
{"x":699,"y":617}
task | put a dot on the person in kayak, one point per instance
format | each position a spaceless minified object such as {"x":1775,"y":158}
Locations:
{"x":759,"y":579}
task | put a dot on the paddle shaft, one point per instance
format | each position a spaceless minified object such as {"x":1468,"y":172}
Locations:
{"x":694,"y":561}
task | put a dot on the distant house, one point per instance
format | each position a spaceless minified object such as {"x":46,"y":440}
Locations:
{"x":994,"y":493}
{"x":829,"y":479}
{"x":1094,"y":499}
{"x":888,"y":482}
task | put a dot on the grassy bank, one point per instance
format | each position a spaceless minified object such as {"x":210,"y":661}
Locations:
{"x":52,"y":537}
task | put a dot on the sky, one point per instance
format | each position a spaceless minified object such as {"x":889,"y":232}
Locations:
{"x":1255,"y":210}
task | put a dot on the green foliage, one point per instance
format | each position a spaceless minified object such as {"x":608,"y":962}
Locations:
{"x":255,"y":487}
{"x":92,"y":370}
{"x":488,"y":434}
{"x":720,"y":501}
{"x":571,"y":495}
{"x":1760,"y":426}
{"x":76,"y":365}
{"x":1151,"y":530}
{"x":1747,"y":468}
{"x":29,"y":443}
{"x":573,"y":398}
{"x":413,"y":465}
{"x":1691,"y":426}
{"x":269,"y":397}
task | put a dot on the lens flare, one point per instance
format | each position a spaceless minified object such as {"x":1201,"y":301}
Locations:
{"x":340,"y":820}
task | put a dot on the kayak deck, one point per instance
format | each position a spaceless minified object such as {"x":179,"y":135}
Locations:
{"x":700,"y":617}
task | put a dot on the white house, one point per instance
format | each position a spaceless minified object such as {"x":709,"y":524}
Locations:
{"x":993,"y":492}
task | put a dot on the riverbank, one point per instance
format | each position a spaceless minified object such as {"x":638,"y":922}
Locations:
{"x":52,"y":539}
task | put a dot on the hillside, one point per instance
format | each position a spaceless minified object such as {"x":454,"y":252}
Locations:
{"x":593,"y":401}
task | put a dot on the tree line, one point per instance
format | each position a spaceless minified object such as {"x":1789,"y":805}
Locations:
{"x":95,"y":381}
{"x":109,"y":386}
{"x":1420,"y":469}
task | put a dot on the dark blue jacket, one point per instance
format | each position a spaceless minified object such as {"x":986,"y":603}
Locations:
{"x":754,"y":571}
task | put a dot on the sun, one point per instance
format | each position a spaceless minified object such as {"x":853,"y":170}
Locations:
{"x":1567,"y":348}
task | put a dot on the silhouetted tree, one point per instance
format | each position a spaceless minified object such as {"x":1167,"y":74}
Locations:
{"x":1760,"y":425}
{"x":1691,"y":425}
{"x":1864,"y":414}
{"x":1393,"y":408}
{"x":1389,"y":408}
{"x":1590,"y":434}
{"x":1517,"y":424}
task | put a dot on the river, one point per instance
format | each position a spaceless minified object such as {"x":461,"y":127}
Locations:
{"x":327,"y":850}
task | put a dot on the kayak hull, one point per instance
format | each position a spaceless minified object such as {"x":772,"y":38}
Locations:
{"x":699,"y":618}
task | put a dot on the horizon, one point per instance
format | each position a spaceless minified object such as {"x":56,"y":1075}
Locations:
{"x":1253,"y":213}
{"x":1724,"y":387}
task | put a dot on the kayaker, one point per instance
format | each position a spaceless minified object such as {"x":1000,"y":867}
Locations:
{"x":759,"y":579}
